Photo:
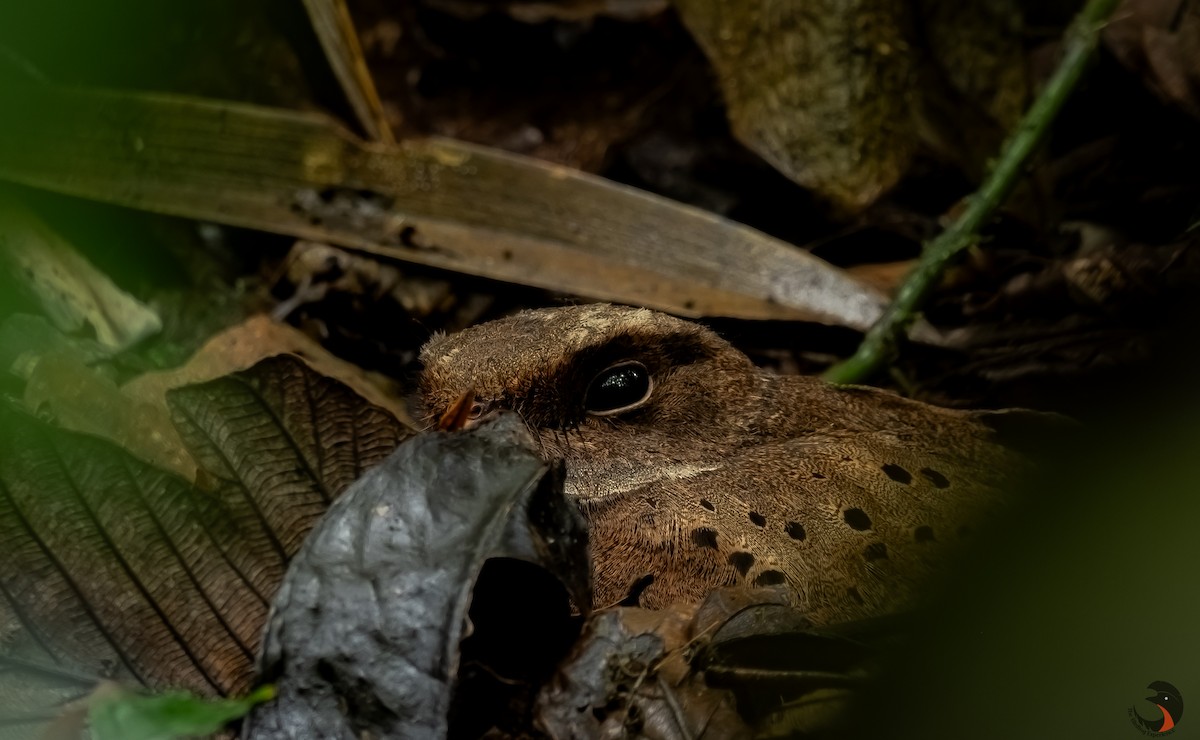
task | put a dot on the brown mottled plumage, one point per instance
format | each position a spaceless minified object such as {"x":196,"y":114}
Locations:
{"x":728,"y":474}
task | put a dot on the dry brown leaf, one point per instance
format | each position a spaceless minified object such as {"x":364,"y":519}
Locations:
{"x":257,"y":338}
{"x":117,"y":568}
{"x":79,"y":398}
{"x":136,"y":416}
{"x":885,"y":277}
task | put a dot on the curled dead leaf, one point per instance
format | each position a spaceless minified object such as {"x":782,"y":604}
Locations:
{"x":365,"y":632}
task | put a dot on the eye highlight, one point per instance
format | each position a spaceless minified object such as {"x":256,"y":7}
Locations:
{"x":618,"y":388}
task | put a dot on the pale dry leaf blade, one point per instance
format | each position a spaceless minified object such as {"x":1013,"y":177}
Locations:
{"x":335,"y":30}
{"x":435,"y":202}
{"x":73,"y":293}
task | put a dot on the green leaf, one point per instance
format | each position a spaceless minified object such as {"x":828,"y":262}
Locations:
{"x":129,"y":716}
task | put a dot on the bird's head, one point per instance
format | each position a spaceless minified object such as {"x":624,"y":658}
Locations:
{"x":1167,"y":697}
{"x":604,"y":387}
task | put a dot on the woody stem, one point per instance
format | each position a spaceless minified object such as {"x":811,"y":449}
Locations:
{"x":882,"y":339}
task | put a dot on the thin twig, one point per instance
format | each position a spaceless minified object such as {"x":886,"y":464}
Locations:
{"x":879,"y":344}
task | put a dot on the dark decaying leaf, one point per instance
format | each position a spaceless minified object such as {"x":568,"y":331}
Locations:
{"x":533,"y":11}
{"x":1160,"y":40}
{"x":119,"y":569}
{"x":628,"y":676}
{"x":1057,"y":334}
{"x":364,"y":639}
{"x":822,"y":91}
{"x":246,"y":344}
{"x":839,"y":95}
{"x":789,"y":678}
{"x":973,"y":86}
{"x":743,"y":663}
{"x":772,"y":660}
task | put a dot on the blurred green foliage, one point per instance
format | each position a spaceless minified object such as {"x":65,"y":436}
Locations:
{"x":125,"y":715}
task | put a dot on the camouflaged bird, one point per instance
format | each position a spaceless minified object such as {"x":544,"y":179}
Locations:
{"x":696,"y":469}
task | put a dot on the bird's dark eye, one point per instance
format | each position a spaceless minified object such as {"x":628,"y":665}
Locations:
{"x":619,"y":388}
